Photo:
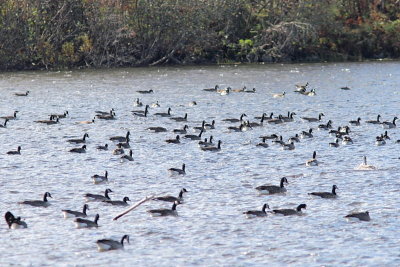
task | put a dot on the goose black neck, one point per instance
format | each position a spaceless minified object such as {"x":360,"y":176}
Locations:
{"x":96,"y":219}
{"x":123,"y":238}
{"x":84,"y":209}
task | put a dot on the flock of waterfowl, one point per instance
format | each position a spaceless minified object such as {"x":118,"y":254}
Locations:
{"x":342,"y":136}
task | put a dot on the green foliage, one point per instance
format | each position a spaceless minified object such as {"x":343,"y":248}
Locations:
{"x":75,"y":33}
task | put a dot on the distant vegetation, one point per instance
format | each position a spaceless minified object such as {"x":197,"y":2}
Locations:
{"x":38,"y":34}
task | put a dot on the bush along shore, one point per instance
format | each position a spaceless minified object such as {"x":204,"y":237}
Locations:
{"x":53,"y":34}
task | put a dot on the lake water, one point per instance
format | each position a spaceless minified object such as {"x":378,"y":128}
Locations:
{"x":210,"y":229}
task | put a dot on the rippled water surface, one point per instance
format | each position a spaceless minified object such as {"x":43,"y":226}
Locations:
{"x":210,"y":229}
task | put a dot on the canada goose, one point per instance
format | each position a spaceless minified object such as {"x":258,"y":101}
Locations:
{"x":104,"y":112}
{"x":14,"y":222}
{"x":110,"y":116}
{"x":326,"y":126}
{"x":83,"y":223}
{"x":301,"y":87}
{"x":335,"y":144}
{"x":165,"y":212}
{"x":289,"y":118}
{"x":313,"y":161}
{"x":127,"y":157}
{"x":294,"y":138}
{"x":278,"y":141}
{"x":13,"y":117}
{"x":98,"y":179}
{"x":78,"y":149}
{"x":343,"y":131}
{"x":262,"y":115}
{"x":15,"y":152}
{"x":155,"y":105}
{"x":95,"y":197}
{"x":326,"y":194}
{"x":194,"y":137}
{"x":313,"y":119}
{"x":5,"y":124}
{"x":210,"y":126}
{"x":137,"y":103}
{"x":256,"y":124}
{"x":142,"y":115}
{"x":174,"y":141}
{"x":140,"y":111}
{"x":271,"y":136}
{"x":157,"y":129}
{"x":347,"y":140}
{"x":310,"y":93}
{"x":236,"y":120}
{"x":388,"y":124}
{"x":257,"y":213}
{"x":289,"y":146}
{"x":87,"y":122}
{"x":119,"y":150}
{"x":335,"y":132}
{"x":287,"y":212}
{"x":192,"y":104}
{"x":123,"y":202}
{"x":225,"y":91}
{"x":74,"y":214}
{"x":385,"y":136}
{"x":345,"y":88}
{"x":172,"y":198}
{"x":263,"y":143}
{"x":201,"y":128}
{"x":212,"y":89}
{"x":176,"y":171}
{"x":279,"y":95}
{"x":236,"y":129}
{"x":49,"y":121}
{"x":362,"y":216}
{"x":120,"y":138}
{"x":246,"y":126}
{"x":356,"y":122}
{"x":108,"y":244}
{"x":145,"y":91}
{"x":163,"y":114}
{"x":201,"y":143}
{"x":60,"y":116}
{"x":212,"y":148}
{"x":374,"y":121}
{"x":380,"y":141}
{"x":184,"y":118}
{"x":181,"y":131}
{"x":100,"y":147}
{"x":22,"y":94}
{"x":308,"y":134}
{"x":206,"y":142}
{"x":278,"y":120}
{"x":364,"y":166}
{"x":79,"y":141}
{"x":125,"y":144}
{"x":273,"y":189}
{"x":239,"y":90}
{"x":252,"y":91}
{"x":38,"y":203}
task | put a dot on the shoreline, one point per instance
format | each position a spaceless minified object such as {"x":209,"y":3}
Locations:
{"x":198,"y":64}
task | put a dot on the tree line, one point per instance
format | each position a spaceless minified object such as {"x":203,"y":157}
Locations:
{"x":42,"y":34}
